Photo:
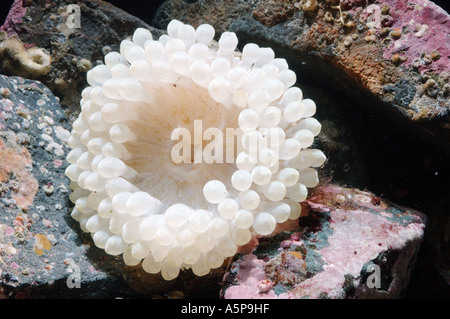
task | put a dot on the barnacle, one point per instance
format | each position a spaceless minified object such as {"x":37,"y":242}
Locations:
{"x":148,"y":185}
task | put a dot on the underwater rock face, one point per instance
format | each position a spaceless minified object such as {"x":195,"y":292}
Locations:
{"x":14,"y":174}
{"x":366,"y":50}
{"x":40,"y":246}
{"x":352,"y":244}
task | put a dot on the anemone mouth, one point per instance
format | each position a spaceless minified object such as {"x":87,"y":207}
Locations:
{"x":184,"y":149}
{"x":151,"y":153}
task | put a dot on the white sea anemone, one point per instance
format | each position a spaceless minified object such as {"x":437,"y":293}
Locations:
{"x":136,"y":200}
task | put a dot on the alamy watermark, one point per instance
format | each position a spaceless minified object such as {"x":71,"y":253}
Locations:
{"x":74,"y":279}
{"x":374,"y":279}
{"x":74,"y":18}
{"x":215,"y":145}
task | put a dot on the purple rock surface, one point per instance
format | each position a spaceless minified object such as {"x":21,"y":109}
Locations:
{"x":350,"y":245}
{"x":424,"y":40}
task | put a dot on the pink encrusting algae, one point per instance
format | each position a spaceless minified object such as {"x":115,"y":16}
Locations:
{"x":321,"y":261}
{"x":14,"y":172}
{"x":421,"y":32}
{"x":14,"y":18}
{"x":358,"y":237}
{"x":249,"y":272}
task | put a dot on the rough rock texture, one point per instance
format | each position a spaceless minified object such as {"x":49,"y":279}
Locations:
{"x":73,"y":50}
{"x":14,"y":173}
{"x":352,"y":244}
{"x":40,"y":245}
{"x":393,"y":54}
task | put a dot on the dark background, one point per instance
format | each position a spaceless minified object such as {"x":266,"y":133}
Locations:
{"x":143,"y":9}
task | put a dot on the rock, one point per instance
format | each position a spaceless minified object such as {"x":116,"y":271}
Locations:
{"x":43,"y":253}
{"x":15,"y":161}
{"x":350,"y":46}
{"x":352,"y":244}
{"x":72,"y":49}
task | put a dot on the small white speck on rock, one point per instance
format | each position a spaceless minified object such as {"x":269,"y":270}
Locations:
{"x":48,"y":189}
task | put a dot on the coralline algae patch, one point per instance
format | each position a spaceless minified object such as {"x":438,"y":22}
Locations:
{"x":327,"y":256}
{"x":15,"y":16}
{"x":279,"y":263}
{"x":419,"y":32}
{"x":14,"y":173}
